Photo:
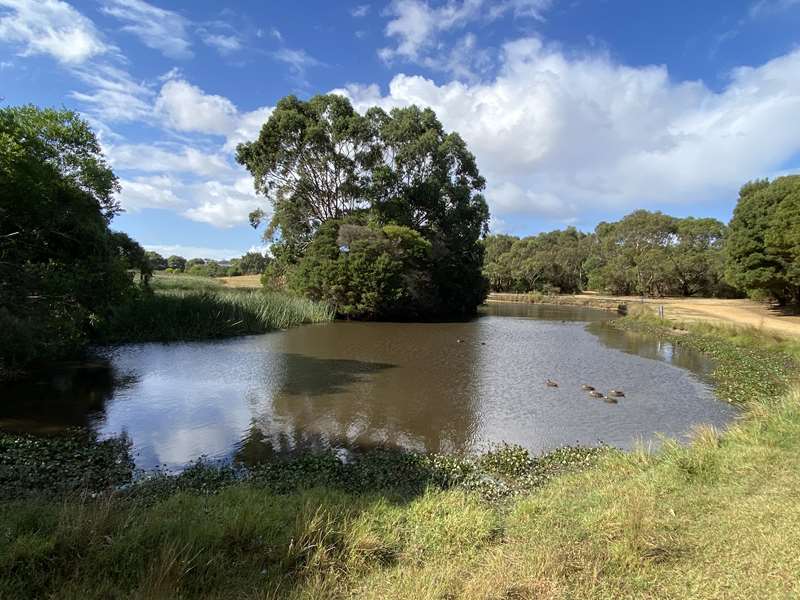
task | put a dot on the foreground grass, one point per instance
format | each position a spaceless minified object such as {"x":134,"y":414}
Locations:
{"x":716,"y":519}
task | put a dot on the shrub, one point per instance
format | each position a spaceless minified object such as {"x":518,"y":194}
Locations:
{"x":365,"y":272}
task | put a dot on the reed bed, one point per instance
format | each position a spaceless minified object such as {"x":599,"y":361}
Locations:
{"x":179,"y":314}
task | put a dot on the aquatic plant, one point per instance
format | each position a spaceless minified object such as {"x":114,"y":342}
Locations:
{"x":75,"y":462}
{"x":750,"y":366}
{"x":189,"y":315}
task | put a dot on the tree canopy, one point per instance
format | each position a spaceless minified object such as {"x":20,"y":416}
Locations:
{"x":61,"y":267}
{"x":763,"y":247}
{"x":322,"y":162}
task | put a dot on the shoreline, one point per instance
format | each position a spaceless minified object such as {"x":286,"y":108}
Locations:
{"x":718,"y":311}
{"x":402,"y":525}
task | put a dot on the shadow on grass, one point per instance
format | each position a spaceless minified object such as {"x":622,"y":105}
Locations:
{"x":305,"y":523}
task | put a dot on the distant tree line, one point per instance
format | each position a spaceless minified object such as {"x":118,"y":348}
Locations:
{"x":651,"y":253}
{"x":251,"y":263}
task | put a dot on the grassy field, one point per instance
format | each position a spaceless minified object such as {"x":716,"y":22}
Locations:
{"x":716,"y":519}
{"x":242,"y":281}
{"x":183,"y":307}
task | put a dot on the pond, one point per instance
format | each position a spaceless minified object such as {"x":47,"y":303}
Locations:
{"x":434,"y":387}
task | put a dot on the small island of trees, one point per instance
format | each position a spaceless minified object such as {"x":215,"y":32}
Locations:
{"x":379,"y":214}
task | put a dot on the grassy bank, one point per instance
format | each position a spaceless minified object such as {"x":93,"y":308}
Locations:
{"x":716,"y":519}
{"x":188,"y":308}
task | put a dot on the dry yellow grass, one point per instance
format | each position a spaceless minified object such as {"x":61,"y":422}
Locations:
{"x":242,"y":281}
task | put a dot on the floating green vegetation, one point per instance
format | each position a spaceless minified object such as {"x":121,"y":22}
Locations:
{"x":76,"y":462}
{"x":34,"y":466}
{"x":751,"y":366}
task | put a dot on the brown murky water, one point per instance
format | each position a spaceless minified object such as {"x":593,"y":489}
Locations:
{"x":430,"y":387}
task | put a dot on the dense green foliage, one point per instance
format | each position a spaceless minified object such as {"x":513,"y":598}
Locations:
{"x":61,"y":268}
{"x":156,"y":261}
{"x":176,"y":263}
{"x":321,"y":162}
{"x":763,"y":247}
{"x":66,"y":278}
{"x":644,"y":253}
{"x":367,"y":272}
{"x":553,"y":261}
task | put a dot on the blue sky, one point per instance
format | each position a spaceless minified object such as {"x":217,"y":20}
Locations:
{"x":577,"y":110}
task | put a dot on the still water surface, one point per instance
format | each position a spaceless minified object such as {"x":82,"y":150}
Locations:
{"x":357,"y":385}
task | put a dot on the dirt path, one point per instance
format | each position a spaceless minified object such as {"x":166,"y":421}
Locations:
{"x":739,"y":312}
{"x":716,"y":310}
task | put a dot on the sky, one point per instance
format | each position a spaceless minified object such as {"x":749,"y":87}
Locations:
{"x":578,"y":111}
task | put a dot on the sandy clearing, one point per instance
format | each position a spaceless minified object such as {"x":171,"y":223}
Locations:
{"x":718,"y":310}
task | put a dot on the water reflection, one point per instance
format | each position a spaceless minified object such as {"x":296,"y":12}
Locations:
{"x":69,"y":394}
{"x":428,"y":387}
{"x":649,"y":347}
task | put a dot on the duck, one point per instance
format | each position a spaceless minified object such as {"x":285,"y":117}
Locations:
{"x":459,"y":341}
{"x":616,"y":394}
{"x":551,"y":383}
{"x":596,"y":394}
{"x":609,"y":400}
{"x":587,"y":387}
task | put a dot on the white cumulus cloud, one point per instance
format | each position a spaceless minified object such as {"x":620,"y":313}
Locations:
{"x":150,"y":192}
{"x":167,"y":159}
{"x":224,"y":205}
{"x":558,"y":135}
{"x":186,"y":107}
{"x":50,"y":27}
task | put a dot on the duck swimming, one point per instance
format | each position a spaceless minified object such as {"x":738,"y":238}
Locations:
{"x":551,"y":383}
{"x":596,"y":394}
{"x":616,"y":394}
{"x":587,"y":387}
